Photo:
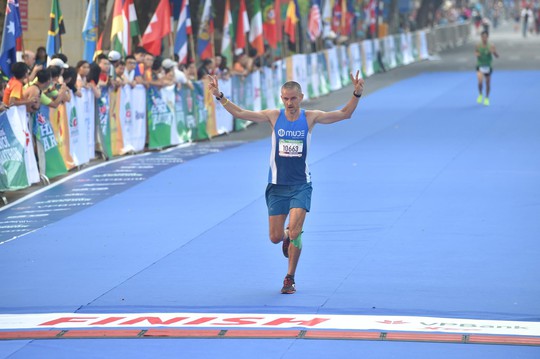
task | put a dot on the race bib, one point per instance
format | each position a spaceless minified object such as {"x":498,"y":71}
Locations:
{"x":291,"y":148}
{"x":484,"y":69}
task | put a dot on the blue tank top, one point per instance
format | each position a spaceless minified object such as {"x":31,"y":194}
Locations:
{"x":290,"y":145}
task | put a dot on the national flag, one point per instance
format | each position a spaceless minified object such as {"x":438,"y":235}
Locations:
{"x":56,"y":30}
{"x":337,"y":13}
{"x":242,"y":26}
{"x":327,"y":18}
{"x":226,"y":40}
{"x":205,"y":46}
{"x":279,"y":21}
{"x":158,"y":28}
{"x":292,"y":18}
{"x":269,"y":23}
{"x":130,"y":25}
{"x":182,"y":31}
{"x":314,"y":20}
{"x":11,"y":32}
{"x":117,"y":27}
{"x":256,"y":32}
{"x":371,"y":16}
{"x":347,"y":17}
{"x":90,"y":30}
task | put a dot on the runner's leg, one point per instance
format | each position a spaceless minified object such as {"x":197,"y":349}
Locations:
{"x":297,"y":217}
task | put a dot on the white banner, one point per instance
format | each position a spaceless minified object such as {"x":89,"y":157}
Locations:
{"x":86,"y":120}
{"x":19,"y":124}
{"x":390,"y":51}
{"x":356,"y":58}
{"x":300,"y":74}
{"x":257,"y":96}
{"x":314,"y":75}
{"x":138,"y":117}
{"x":78,"y":148}
{"x":367,"y":46}
{"x":344,"y":65}
{"x":406,"y":50}
{"x":424,"y":53}
{"x":333,"y":68}
{"x":281,"y":321}
{"x":169,"y":97}
{"x":270,"y":87}
{"x":224,"y":120}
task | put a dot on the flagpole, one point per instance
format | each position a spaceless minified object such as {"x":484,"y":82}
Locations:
{"x":192,"y":47}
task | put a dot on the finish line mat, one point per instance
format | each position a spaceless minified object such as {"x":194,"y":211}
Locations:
{"x":268,"y":326}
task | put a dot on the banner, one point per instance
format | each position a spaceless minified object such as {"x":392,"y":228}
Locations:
{"x":13,"y":174}
{"x":241,"y":97}
{"x":182,"y":128}
{"x":344,"y":65}
{"x":356,"y":58}
{"x":314,"y":76}
{"x":201,"y":111}
{"x":190,"y":112}
{"x":257,"y":90}
{"x":24,"y":133}
{"x":160,"y":119}
{"x":224,"y":120}
{"x":424,"y":53}
{"x":390,"y":52}
{"x":324,"y":88}
{"x":60,"y":125}
{"x":85,"y":115}
{"x":51,"y":163}
{"x":376,"y":55}
{"x":270,"y":86}
{"x":210,"y":108}
{"x":367,"y":57}
{"x":332,"y":62}
{"x":406,"y":50}
{"x":126,"y":119}
{"x":104,"y":133}
{"x":169,"y":97}
{"x":138,"y":116}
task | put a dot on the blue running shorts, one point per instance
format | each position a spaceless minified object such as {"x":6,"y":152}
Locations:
{"x":281,"y":198}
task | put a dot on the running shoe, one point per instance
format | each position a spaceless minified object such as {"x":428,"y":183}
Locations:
{"x":486,"y":101}
{"x":288,"y":285}
{"x":286,"y":242}
{"x":479,"y":99}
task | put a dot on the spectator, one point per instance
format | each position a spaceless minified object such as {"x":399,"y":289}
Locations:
{"x":181,"y":78}
{"x":70,"y":79}
{"x":3,"y":106}
{"x":57,"y":93}
{"x":120,"y":78}
{"x":206,"y":68}
{"x":241,"y":63}
{"x":83,"y":69}
{"x":168,"y":66}
{"x":104,"y":67}
{"x":60,"y":56}
{"x":29,"y":58}
{"x":131,"y":65}
{"x":60,"y":64}
{"x":13,"y":94}
{"x":36,"y":89}
{"x":41,"y":56}
{"x":191,"y":71}
{"x":114,"y":57}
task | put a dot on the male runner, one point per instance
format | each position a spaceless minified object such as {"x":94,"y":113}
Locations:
{"x":288,"y":193}
{"x":484,"y":52}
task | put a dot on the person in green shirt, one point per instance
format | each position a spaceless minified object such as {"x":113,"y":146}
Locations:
{"x":484,"y":56}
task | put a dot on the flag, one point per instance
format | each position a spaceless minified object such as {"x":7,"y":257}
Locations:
{"x":314,"y":20}
{"x":256,"y":32}
{"x":205,"y":46}
{"x":56,"y":30}
{"x":226,"y":40}
{"x":90,"y":30}
{"x":12,"y":31}
{"x":279,"y":22}
{"x":117,"y":27}
{"x":336,"y":17}
{"x":158,"y":28}
{"x":292,"y":18}
{"x":269,"y":23}
{"x":242,"y":26}
{"x":182,"y":31}
{"x":327,"y":18}
{"x":130,"y":25}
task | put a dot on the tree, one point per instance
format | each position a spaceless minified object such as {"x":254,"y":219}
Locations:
{"x":426,"y":13}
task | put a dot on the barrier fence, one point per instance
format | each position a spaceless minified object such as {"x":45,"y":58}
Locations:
{"x":37,"y":147}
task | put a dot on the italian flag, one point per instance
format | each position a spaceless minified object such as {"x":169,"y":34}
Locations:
{"x":256,"y":32}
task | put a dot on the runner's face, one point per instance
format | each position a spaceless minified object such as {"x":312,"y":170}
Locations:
{"x":291,"y":99}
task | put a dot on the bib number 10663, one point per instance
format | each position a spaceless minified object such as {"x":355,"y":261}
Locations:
{"x":290,"y":148}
